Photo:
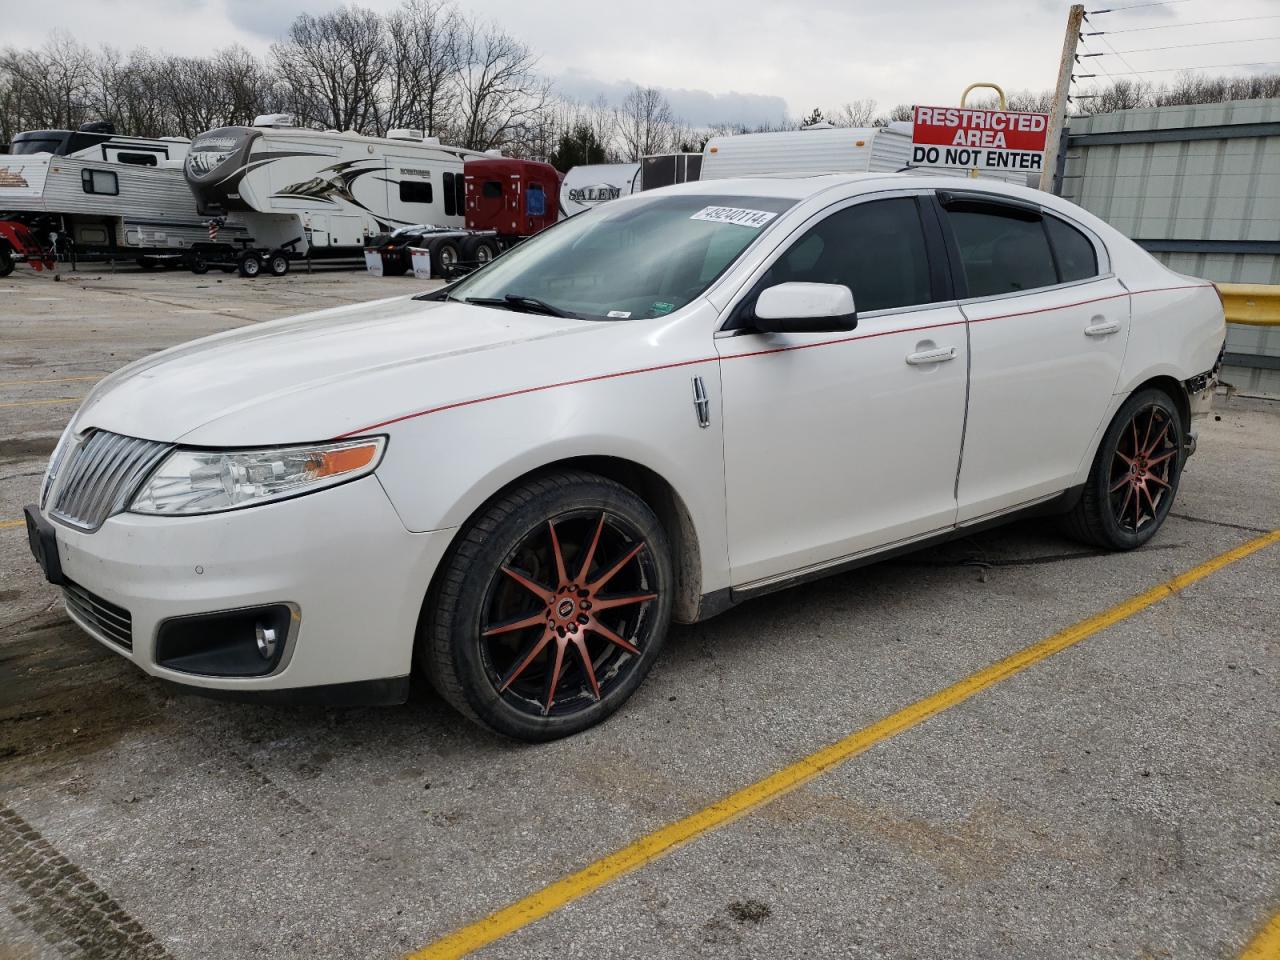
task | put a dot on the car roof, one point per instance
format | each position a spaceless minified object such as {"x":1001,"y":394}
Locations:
{"x":802,"y":186}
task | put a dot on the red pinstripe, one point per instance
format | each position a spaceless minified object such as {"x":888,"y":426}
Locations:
{"x":754,"y":353}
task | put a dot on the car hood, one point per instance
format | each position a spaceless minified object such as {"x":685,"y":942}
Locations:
{"x":314,"y":376}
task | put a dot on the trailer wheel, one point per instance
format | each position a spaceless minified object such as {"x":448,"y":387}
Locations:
{"x":479,"y":250}
{"x":198,"y":265}
{"x":278,"y":264}
{"x":249,"y":264}
{"x":444,"y":257}
{"x":6,"y":259}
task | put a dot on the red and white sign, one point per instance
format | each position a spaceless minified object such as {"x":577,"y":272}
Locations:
{"x":982,"y":139}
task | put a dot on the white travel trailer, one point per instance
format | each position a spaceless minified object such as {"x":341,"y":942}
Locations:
{"x":321,"y":193}
{"x":596,"y":183}
{"x":821,"y":148}
{"x":93,"y":193}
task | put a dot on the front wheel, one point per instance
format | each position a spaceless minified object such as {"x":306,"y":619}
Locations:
{"x":249,"y":264}
{"x":1135,"y":475}
{"x":551,"y":607}
{"x":278,"y":264}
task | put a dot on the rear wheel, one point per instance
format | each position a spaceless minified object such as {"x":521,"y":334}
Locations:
{"x":550,"y":609}
{"x":444,"y":257}
{"x":6,"y":259}
{"x":198,"y":265}
{"x":249,"y":264}
{"x":278,"y":264}
{"x":480,"y":250}
{"x":1135,"y":475}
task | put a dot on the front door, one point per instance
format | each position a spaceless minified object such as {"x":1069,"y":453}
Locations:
{"x":836,"y":444}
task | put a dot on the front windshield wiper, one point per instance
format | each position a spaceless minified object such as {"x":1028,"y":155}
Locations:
{"x":522,"y":304}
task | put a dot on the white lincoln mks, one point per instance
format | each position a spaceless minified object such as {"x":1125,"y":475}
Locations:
{"x":649,"y":412}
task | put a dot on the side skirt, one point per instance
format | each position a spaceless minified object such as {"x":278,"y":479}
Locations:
{"x":721,"y":600}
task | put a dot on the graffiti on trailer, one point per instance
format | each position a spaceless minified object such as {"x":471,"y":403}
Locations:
{"x":12,"y":178}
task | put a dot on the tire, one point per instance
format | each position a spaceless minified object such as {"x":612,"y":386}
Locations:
{"x":198,"y":266}
{"x":249,"y":265}
{"x":479,"y":250}
{"x":145,"y":264}
{"x":1134,"y":478}
{"x":493,"y":624}
{"x":444,"y":257}
{"x":6,"y":259}
{"x":278,"y":264}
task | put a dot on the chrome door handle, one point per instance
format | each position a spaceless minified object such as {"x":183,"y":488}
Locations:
{"x":1102,"y":328}
{"x":940,"y":355}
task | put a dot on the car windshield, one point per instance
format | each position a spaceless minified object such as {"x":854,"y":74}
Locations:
{"x":628,"y":260}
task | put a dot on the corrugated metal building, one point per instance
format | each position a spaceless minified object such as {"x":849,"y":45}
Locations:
{"x":1198,"y":186}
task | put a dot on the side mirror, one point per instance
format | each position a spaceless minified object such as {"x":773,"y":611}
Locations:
{"x":805,"y":308}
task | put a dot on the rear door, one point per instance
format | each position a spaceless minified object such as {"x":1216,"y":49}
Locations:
{"x":1048,"y":325}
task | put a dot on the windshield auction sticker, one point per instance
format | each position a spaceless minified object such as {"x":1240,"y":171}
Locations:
{"x":755,"y":219}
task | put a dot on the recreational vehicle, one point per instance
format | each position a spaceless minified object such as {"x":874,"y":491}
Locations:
{"x":821,"y":148}
{"x":321,"y":193}
{"x":589,"y":185}
{"x":94,"y":193}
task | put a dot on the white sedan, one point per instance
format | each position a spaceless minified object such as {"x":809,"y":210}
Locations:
{"x":676,"y":402}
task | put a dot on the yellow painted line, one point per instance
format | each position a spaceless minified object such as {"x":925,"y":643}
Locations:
{"x":662,"y":841}
{"x":6,"y":524}
{"x":32,"y":403}
{"x":23,"y":383}
{"x":1266,"y":945}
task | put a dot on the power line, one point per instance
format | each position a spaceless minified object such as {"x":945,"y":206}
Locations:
{"x":1206,"y":66}
{"x":1189,"y":23}
{"x":1135,"y":6}
{"x":1180,"y":46}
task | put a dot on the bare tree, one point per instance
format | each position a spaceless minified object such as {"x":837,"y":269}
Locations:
{"x":645,"y":123}
{"x":423,"y":50}
{"x":499,"y":91}
{"x":336,"y":62}
{"x":854,"y":113}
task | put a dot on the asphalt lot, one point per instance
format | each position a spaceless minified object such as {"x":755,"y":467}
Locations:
{"x":1119,"y":799}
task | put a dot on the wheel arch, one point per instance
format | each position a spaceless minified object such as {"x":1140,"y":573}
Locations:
{"x":1177,"y":391}
{"x":661,"y":497}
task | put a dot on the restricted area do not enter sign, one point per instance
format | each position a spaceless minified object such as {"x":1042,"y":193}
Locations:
{"x":978,"y":139}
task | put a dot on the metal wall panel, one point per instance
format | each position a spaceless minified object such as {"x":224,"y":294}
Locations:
{"x":1208,"y":177}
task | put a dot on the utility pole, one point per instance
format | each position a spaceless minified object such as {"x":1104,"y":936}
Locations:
{"x":1075,"y":19}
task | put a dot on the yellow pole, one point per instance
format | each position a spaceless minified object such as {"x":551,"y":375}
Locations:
{"x":973,"y":173}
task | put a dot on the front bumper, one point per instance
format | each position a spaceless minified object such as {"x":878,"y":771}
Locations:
{"x":341,"y":558}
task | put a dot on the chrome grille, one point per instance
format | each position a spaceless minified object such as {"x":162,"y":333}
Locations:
{"x":96,"y":478}
{"x":114,"y":623}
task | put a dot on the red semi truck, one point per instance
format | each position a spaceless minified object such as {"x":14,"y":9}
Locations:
{"x":507,"y":201}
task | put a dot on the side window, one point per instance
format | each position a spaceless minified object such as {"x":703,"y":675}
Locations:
{"x":1077,"y":260}
{"x":140,"y":159}
{"x":876,"y":249}
{"x":1002,"y":249}
{"x":450,"y":196}
{"x":99,"y":181}
{"x":460,"y":194}
{"x":414,"y":191}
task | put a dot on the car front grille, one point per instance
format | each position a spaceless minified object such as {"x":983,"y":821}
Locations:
{"x":114,"y":623}
{"x":96,"y":478}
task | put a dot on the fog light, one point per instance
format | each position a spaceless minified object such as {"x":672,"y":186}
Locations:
{"x":266,"y":641}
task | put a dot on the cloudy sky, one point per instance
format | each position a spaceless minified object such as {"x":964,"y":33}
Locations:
{"x":740,"y":60}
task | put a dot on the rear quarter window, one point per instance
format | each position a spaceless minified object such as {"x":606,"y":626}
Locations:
{"x":1077,"y":259}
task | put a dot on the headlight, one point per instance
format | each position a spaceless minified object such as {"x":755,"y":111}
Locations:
{"x":55,"y":461}
{"x":208,"y":481}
